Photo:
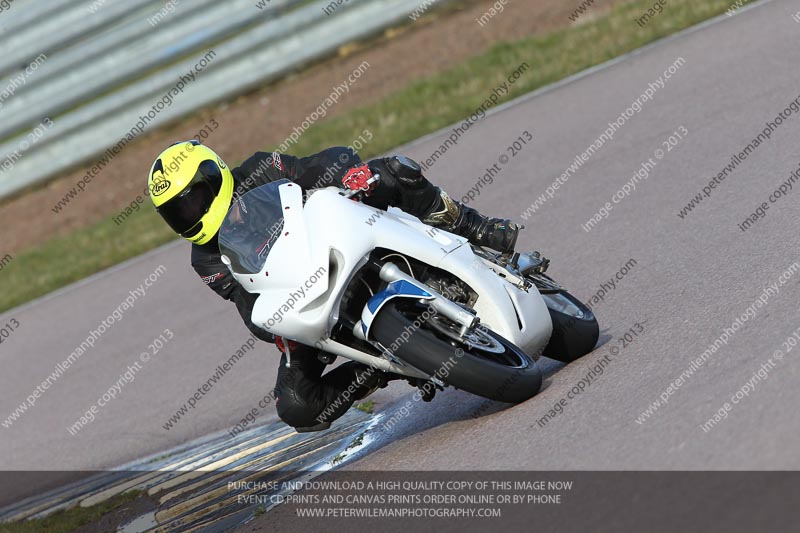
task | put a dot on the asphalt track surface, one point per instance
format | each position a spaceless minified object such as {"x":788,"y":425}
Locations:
{"x":693,"y":277}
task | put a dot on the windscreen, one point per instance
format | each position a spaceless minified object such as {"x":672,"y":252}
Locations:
{"x":250,"y":229}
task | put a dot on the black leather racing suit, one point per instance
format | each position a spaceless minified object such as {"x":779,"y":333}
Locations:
{"x":302,"y":392}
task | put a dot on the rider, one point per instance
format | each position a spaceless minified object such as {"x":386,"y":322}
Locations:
{"x":192,"y":189}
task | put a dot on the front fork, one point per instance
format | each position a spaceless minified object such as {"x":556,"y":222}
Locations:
{"x":390,"y":272}
{"x":401,"y":285}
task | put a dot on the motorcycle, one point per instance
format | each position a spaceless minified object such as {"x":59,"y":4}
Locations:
{"x":384,"y":289}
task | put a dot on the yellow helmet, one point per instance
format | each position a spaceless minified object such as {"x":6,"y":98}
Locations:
{"x":191,"y":188}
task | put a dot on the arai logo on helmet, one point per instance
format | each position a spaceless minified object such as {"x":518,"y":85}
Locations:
{"x":159,"y":187}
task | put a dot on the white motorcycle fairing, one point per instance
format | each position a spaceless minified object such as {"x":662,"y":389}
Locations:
{"x":323,"y":244}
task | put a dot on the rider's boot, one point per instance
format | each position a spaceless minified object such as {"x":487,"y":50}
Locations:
{"x":496,"y":233}
{"x":367,"y":379}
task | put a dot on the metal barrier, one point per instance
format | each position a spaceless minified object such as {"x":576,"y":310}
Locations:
{"x":112,"y":65}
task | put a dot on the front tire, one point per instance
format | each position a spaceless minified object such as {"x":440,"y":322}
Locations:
{"x":498,"y":371}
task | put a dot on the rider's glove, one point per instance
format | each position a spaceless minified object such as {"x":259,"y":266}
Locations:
{"x":357,"y":179}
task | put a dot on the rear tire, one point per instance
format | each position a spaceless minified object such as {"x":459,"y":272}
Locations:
{"x":510,"y":375}
{"x":575,"y":328}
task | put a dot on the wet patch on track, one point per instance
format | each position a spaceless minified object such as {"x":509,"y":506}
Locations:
{"x":209,"y":484}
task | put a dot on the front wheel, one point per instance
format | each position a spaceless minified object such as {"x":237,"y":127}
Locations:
{"x":488,"y":366}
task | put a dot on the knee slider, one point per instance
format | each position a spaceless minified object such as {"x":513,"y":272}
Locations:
{"x":295,"y":412}
{"x":407,"y":171}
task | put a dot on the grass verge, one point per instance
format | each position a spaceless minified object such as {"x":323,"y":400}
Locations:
{"x":413,"y":111}
{"x":367,"y":406}
{"x":71,"y":519}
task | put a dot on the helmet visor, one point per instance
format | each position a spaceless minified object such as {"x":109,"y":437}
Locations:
{"x":184,"y":212}
{"x":211,"y":172}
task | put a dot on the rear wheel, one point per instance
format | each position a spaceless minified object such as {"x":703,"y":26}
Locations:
{"x":486,"y":364}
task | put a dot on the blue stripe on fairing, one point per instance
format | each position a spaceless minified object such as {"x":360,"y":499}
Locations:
{"x":396,"y":288}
